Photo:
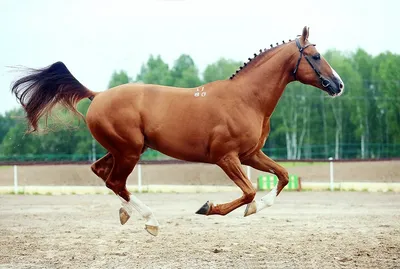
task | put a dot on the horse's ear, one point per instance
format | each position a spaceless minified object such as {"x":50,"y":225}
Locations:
{"x":305,"y":33}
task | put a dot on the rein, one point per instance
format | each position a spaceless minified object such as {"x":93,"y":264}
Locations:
{"x":325,"y":83}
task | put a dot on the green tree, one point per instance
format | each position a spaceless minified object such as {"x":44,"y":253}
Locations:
{"x":292,"y":120}
{"x":366,"y":106}
{"x":221,"y":69}
{"x":185,"y":73}
{"x":386,"y":78}
{"x":119,"y":78}
{"x":17,"y":142}
{"x":9,"y":120}
{"x":155,"y":71}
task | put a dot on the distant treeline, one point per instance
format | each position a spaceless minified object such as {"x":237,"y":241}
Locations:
{"x":307,"y":124}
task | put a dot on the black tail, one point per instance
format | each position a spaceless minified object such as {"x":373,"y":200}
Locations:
{"x":43,"y":88}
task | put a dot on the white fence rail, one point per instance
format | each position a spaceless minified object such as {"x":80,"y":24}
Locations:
{"x":141,"y":187}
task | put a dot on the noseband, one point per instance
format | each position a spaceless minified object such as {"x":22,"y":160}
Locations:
{"x":325,"y":83}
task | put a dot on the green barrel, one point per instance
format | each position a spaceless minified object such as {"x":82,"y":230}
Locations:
{"x":267,"y":182}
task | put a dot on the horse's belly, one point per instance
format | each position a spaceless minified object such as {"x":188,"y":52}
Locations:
{"x":179,"y":145}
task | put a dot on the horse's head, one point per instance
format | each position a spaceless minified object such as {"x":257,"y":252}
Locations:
{"x":315,"y":70}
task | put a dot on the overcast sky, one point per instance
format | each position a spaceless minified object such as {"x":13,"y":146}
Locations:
{"x":94,"y":38}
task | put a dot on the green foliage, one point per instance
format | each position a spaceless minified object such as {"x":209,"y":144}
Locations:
{"x":185,"y":73}
{"x":221,"y":69}
{"x":155,"y":71}
{"x":363,"y":123}
{"x":118,"y":78}
{"x":387,"y":82}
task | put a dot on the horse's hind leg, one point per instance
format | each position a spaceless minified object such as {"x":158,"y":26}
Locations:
{"x":123,"y":166}
{"x":124,"y":155}
{"x":102,"y":167}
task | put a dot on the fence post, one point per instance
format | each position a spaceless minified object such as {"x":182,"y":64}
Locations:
{"x":139,"y":178}
{"x":331,"y":172}
{"x":93,"y":150}
{"x":15,"y":180}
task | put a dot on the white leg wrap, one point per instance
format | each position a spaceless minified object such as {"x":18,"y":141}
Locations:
{"x":143,"y":210}
{"x":267,"y":200}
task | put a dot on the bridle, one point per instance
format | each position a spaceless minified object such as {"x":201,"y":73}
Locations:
{"x":325,"y":83}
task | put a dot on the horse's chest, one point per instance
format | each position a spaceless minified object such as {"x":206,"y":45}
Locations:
{"x":260,"y":140}
{"x":265,"y":131}
{"x":255,"y":141}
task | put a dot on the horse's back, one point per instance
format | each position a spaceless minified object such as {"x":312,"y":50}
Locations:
{"x":147,"y":105}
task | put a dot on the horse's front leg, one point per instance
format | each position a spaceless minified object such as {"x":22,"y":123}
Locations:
{"x":232,"y":167}
{"x":262,"y":162}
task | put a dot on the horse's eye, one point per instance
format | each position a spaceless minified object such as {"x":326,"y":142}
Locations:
{"x":317,"y":57}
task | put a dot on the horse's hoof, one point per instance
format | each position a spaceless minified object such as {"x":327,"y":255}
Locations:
{"x":153,"y":230}
{"x":123,"y":215}
{"x":250,"y":209}
{"x":205,"y":209}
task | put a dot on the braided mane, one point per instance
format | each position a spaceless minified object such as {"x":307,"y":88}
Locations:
{"x":256,"y":57}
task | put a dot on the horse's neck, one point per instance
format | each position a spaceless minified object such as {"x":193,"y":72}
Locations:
{"x":266,"y":81}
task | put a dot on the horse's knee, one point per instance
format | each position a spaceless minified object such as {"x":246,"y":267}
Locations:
{"x":249,"y":196}
{"x":284,"y":178}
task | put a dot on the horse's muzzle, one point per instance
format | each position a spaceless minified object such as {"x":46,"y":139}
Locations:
{"x":335,"y":87}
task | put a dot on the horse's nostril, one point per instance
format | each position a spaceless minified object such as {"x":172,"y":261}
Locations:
{"x":341,"y":86}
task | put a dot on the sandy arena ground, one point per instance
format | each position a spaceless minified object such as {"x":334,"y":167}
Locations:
{"x":302,"y":230}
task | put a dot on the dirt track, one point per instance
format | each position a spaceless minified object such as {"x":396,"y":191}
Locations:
{"x":199,"y":174}
{"x":302,"y":230}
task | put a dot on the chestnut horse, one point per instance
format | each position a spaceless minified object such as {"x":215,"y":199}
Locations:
{"x":224,"y":122}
